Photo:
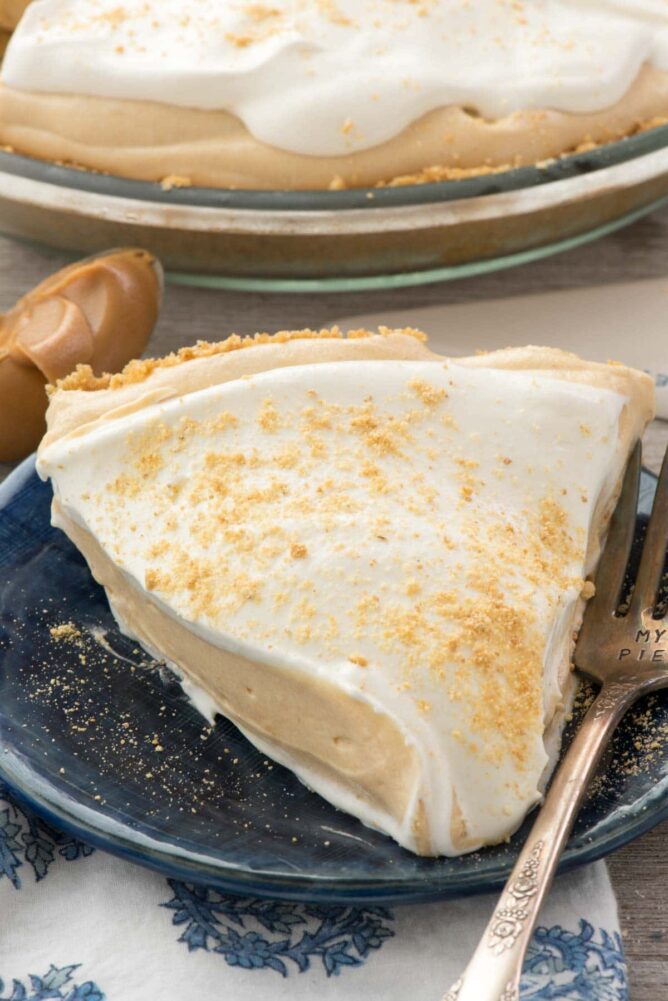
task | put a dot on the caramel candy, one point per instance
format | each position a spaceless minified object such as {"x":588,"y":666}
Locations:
{"x":99,"y":312}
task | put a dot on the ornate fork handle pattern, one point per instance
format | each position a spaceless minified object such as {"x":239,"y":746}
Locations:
{"x":495,"y":969}
{"x":605,"y":651}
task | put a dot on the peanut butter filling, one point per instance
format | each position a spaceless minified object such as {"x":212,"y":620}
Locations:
{"x":215,"y":149}
{"x":346,"y":741}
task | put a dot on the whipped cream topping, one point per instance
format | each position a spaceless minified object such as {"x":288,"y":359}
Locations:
{"x":414,"y":533}
{"x":329,"y":77}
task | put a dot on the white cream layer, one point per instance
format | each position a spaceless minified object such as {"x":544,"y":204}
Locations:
{"x":328,"y":77}
{"x":360,"y":510}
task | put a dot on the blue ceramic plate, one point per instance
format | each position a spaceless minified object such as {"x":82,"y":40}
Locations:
{"x":101,"y":740}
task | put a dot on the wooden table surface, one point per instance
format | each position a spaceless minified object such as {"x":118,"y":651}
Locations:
{"x":639,"y":871}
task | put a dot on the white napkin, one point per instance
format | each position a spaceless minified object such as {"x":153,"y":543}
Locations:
{"x":81,"y":925}
{"x":626,"y":322}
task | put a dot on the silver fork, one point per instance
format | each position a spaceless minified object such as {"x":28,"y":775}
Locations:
{"x":627,"y":654}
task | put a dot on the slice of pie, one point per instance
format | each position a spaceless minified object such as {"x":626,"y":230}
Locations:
{"x":309,"y":94}
{"x":370,"y":557}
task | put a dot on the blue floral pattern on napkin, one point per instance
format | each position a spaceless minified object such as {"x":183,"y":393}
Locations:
{"x":27,"y":839}
{"x":289,"y":938}
{"x":260,"y":934}
{"x":574,"y":966}
{"x":56,"y":983}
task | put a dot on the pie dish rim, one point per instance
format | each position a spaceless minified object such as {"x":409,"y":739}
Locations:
{"x":515,"y":179}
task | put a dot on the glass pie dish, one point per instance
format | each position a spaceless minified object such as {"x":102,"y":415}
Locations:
{"x":340,"y":240}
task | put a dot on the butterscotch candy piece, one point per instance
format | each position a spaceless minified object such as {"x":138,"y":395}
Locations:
{"x":99,"y":312}
{"x":11,"y":12}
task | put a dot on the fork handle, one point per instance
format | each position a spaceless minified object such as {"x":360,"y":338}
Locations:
{"x":494,"y":971}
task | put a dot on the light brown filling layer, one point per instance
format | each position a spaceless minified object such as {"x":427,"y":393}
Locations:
{"x":341,"y":739}
{"x":152,"y":141}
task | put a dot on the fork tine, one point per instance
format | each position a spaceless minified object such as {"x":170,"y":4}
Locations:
{"x":654,"y":549}
{"x":613,"y":562}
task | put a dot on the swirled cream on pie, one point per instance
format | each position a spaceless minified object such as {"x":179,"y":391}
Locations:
{"x":313,"y":93}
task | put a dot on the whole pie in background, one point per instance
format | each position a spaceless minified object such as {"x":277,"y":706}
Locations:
{"x":327,"y":93}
